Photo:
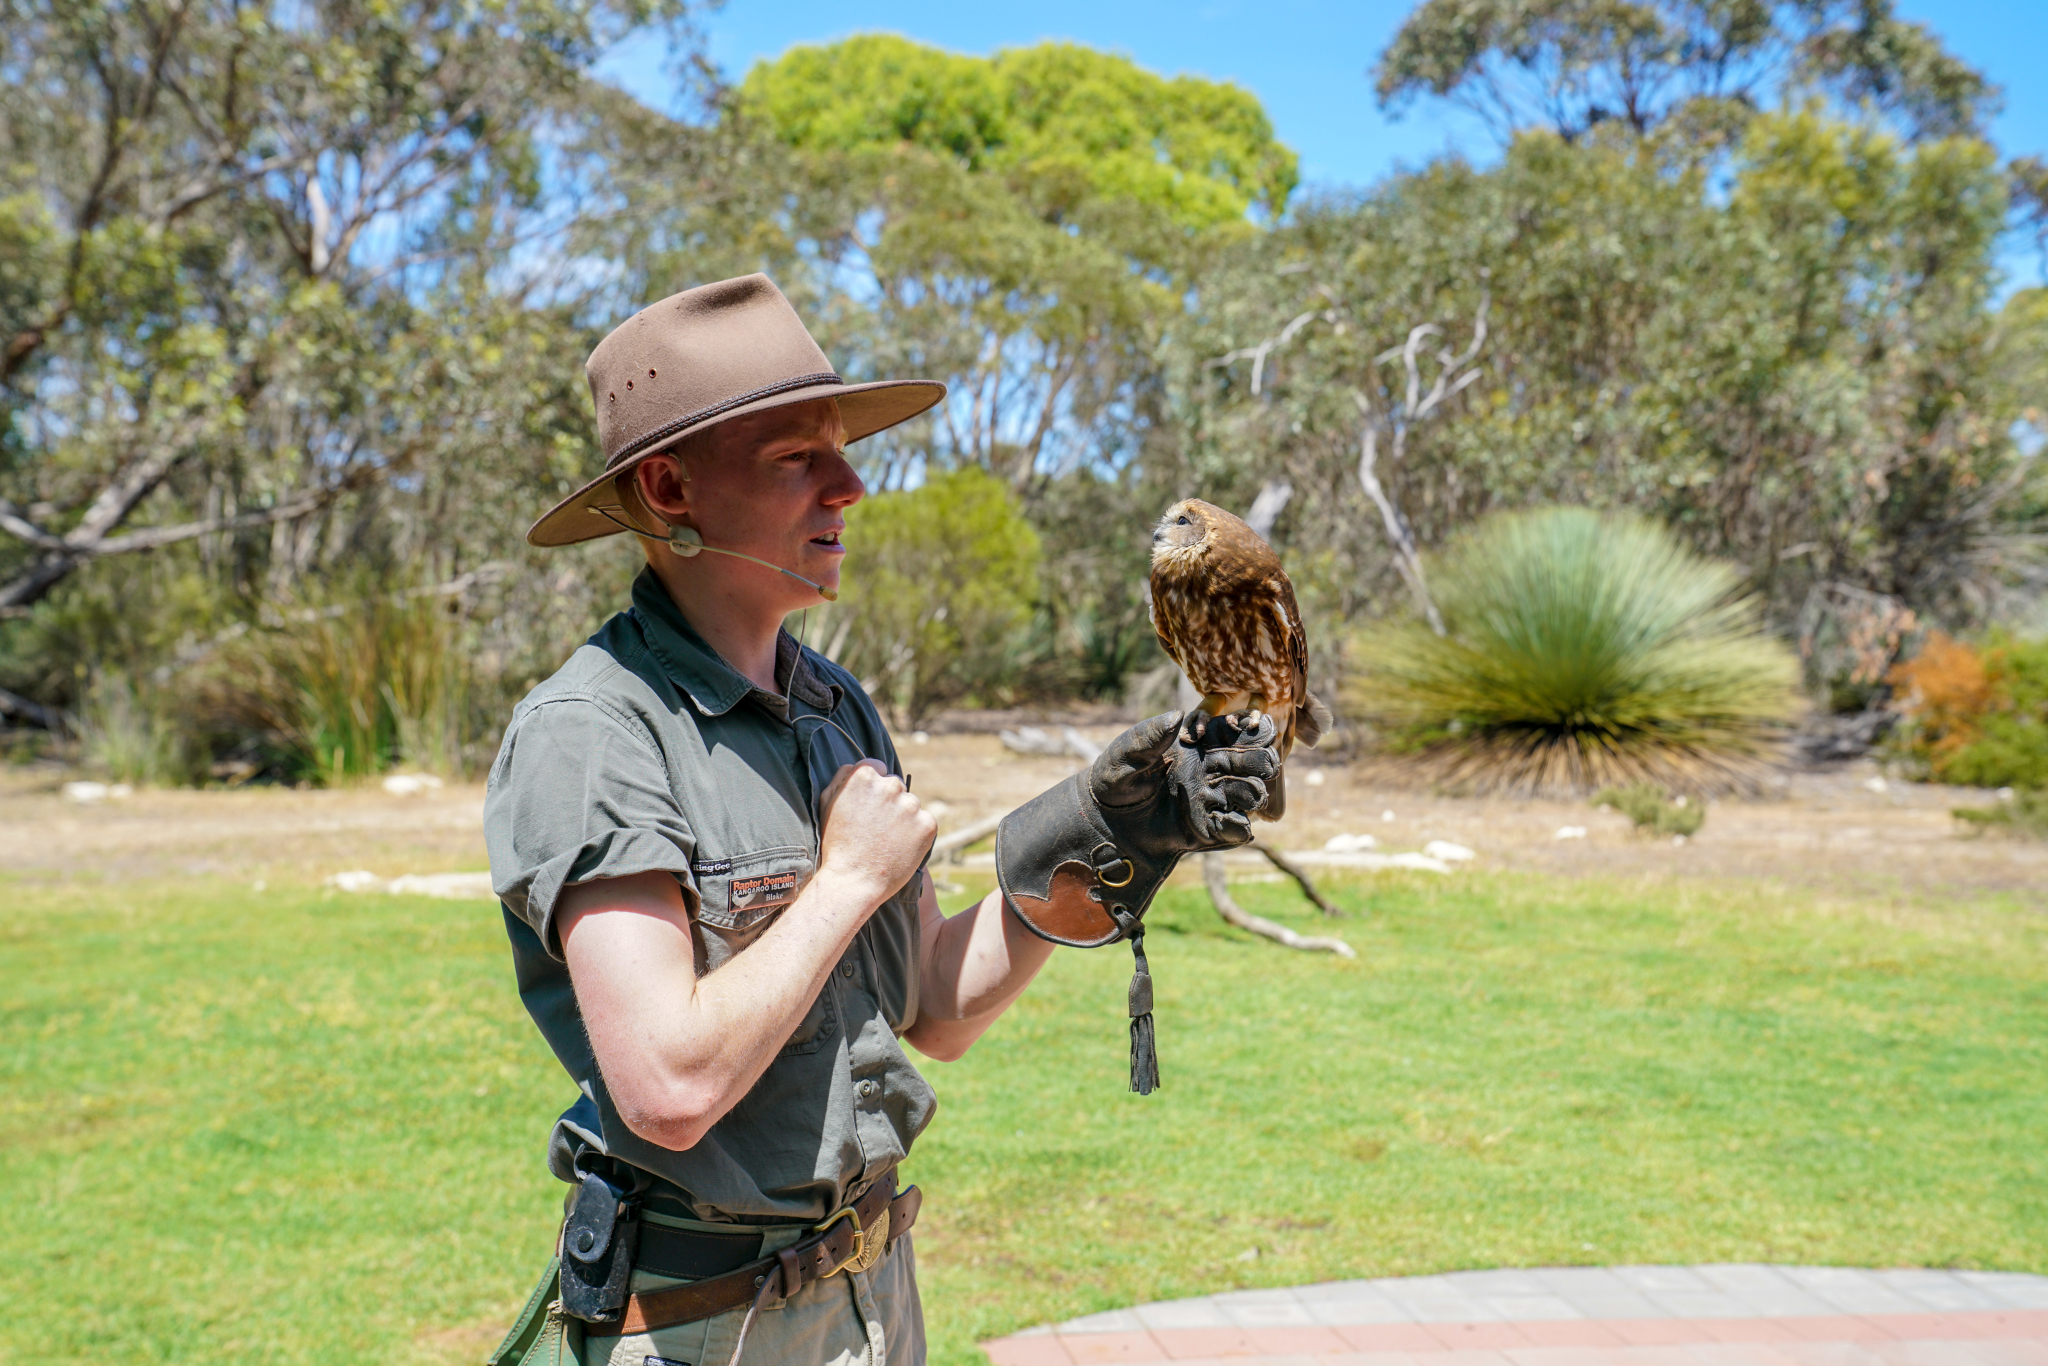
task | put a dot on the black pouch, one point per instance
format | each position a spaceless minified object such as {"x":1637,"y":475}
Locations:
{"x":599,"y":1239}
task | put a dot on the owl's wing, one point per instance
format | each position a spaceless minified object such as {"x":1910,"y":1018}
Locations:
{"x":1311,"y":717}
{"x":1297,"y":638}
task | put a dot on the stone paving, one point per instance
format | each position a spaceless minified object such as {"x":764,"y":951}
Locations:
{"x":1747,"y":1315}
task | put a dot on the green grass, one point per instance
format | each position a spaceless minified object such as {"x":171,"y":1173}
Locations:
{"x":308,"y":1128}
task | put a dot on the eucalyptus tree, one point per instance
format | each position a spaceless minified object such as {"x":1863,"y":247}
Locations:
{"x":1022,"y":226}
{"x":1573,"y":65}
{"x":269,"y":278}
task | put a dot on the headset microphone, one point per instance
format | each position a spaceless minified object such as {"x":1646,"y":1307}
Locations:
{"x":687,"y":541}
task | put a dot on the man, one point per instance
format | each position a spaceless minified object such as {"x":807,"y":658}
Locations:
{"x":712,"y":872}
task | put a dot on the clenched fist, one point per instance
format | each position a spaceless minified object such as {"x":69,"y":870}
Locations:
{"x":874,"y":834}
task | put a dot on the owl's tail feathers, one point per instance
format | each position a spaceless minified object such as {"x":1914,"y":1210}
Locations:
{"x":1311,"y":721}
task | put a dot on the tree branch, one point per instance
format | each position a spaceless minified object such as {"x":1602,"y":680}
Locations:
{"x":15,"y":523}
{"x":1406,"y":557}
{"x":1300,"y":876}
{"x":35,"y":713}
{"x":1227,"y":907}
{"x":50,"y":569}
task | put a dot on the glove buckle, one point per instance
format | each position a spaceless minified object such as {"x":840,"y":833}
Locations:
{"x":1104,"y":865}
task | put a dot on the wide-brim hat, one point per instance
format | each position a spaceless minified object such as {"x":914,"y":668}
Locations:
{"x":699,"y":358}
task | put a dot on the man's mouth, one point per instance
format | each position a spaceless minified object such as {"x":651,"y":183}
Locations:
{"x":829,"y":541}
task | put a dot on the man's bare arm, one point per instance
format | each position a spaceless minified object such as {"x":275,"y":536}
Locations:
{"x":974,"y":965}
{"x":677,"y":1050}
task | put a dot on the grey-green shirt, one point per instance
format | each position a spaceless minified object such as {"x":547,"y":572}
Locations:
{"x":648,"y":752}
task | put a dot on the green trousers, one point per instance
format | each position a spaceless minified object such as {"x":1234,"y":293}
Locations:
{"x":868,"y":1318}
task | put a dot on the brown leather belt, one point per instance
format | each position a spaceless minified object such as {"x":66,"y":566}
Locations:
{"x":855,"y":1236}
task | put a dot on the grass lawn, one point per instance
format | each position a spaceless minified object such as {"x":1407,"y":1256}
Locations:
{"x":304,"y":1127}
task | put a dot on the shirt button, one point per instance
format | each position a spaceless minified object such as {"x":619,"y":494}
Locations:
{"x":867,"y":1089}
{"x":846,"y":969}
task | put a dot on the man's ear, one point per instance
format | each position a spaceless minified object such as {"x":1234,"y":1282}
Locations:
{"x":663,"y":488}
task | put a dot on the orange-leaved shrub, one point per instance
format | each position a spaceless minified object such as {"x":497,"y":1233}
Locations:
{"x":1977,"y":717}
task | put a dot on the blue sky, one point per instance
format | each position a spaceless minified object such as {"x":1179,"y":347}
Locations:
{"x":1305,"y":59}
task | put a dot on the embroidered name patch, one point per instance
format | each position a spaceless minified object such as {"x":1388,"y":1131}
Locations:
{"x":764,"y":889}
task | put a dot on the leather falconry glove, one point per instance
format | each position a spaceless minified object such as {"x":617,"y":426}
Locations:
{"x":1080,"y":863}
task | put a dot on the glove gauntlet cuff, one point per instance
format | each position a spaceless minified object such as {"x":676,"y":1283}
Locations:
{"x":1064,"y":873}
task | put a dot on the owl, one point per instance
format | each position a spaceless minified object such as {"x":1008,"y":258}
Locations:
{"x":1224,"y":609}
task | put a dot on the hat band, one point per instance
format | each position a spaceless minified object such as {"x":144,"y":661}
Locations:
{"x":667,"y":430}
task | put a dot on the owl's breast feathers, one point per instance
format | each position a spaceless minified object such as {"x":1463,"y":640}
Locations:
{"x":1230,"y":623}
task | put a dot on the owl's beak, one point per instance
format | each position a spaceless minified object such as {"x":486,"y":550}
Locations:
{"x":1158,"y":535}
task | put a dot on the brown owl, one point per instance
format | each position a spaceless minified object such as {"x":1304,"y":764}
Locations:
{"x":1224,"y":609}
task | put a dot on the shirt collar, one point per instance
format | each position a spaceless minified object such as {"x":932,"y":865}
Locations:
{"x":714,"y":686}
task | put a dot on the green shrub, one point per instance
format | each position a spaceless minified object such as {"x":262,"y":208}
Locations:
{"x":2025,"y":813}
{"x":138,"y":734}
{"x":1582,"y":650}
{"x":1654,"y":810}
{"x":938,"y":591}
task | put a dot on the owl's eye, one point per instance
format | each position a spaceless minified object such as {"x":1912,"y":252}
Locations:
{"x":1182,"y":521}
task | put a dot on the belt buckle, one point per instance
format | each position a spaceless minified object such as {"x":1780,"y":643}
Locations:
{"x":868,"y":1243}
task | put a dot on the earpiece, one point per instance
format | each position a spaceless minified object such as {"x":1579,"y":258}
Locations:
{"x":687,"y":541}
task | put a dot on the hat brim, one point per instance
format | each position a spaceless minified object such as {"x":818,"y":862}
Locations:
{"x":864,"y":409}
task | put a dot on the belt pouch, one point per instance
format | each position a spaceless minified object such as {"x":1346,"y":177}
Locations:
{"x":598,"y":1242}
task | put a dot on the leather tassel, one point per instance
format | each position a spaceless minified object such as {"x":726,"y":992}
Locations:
{"x":1144,"y":1054}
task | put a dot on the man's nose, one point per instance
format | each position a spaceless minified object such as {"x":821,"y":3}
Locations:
{"x":843,"y":485}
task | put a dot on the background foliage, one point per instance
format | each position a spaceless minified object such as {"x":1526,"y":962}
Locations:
{"x":292,"y":301}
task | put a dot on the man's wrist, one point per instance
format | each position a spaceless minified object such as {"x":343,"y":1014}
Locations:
{"x":849,"y":892}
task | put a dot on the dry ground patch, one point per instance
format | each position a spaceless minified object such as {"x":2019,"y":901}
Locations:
{"x":1825,"y":831}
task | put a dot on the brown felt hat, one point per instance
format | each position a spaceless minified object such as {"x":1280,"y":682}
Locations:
{"x":696,"y":359}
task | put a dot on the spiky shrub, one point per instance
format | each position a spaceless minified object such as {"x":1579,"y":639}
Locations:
{"x":1582,"y":650}
{"x":349,"y":687}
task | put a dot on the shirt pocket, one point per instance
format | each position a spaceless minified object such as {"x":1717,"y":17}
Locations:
{"x":737,"y":899}
{"x":742,"y":893}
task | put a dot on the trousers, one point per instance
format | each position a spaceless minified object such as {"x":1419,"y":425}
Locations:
{"x":856,"y":1318}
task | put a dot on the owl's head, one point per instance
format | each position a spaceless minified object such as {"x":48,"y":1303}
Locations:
{"x":1184,"y":532}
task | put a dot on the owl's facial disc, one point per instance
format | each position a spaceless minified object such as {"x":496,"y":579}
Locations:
{"x":1181,"y":531}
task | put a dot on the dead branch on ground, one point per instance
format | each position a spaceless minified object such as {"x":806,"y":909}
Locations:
{"x":1227,"y":907}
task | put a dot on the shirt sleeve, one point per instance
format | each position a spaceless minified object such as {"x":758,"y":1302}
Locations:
{"x":578,"y":793}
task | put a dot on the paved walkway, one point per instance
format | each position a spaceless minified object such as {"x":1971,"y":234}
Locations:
{"x":1579,"y":1316}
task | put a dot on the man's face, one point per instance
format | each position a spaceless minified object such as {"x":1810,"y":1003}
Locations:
{"x":773,"y":485}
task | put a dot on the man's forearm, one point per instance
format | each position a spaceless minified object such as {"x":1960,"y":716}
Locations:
{"x":977,"y":963}
{"x":679,"y":1051}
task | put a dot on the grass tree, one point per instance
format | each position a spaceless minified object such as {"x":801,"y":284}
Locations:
{"x":1583,"y":650}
